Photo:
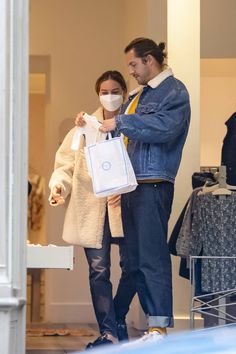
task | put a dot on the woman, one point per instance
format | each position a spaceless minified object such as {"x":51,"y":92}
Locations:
{"x":94,"y":223}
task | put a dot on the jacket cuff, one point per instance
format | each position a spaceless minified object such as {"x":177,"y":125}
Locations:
{"x":118,"y":122}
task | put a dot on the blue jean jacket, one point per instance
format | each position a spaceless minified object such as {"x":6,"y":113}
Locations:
{"x":158,"y":130}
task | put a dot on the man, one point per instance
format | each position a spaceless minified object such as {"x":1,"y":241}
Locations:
{"x":155,"y":122}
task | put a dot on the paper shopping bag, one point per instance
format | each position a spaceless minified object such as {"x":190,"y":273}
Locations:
{"x":110,"y":168}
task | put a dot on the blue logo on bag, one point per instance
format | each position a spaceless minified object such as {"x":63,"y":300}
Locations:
{"x":106,"y":165}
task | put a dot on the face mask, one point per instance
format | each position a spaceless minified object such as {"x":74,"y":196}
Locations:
{"x":111,"y":102}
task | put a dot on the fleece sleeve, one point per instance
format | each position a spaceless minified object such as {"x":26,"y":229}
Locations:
{"x":64,"y":166}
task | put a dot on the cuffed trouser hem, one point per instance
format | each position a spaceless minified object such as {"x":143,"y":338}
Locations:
{"x":160,"y":321}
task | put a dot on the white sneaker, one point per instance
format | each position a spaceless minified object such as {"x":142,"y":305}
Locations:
{"x":148,"y":337}
{"x":153,"y":336}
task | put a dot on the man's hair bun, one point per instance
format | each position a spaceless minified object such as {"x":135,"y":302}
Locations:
{"x":162,"y":46}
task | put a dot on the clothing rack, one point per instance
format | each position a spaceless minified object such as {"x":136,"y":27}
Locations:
{"x":202,"y":305}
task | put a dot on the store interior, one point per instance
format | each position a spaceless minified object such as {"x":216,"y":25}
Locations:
{"x":70,"y":44}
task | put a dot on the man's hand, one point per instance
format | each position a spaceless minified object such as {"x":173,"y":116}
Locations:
{"x":56,"y":195}
{"x":113,"y":201}
{"x":108,"y":125}
{"x":79,"y":120}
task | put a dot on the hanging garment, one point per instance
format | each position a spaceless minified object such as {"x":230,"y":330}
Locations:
{"x":199,"y":179}
{"x":36,"y":202}
{"x":213,"y":231}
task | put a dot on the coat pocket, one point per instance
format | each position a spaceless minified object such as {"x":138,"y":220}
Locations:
{"x":148,"y":108}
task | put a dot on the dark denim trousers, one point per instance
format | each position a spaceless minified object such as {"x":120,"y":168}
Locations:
{"x":126,"y":287}
{"x":145,"y":214}
{"x":100,"y":285}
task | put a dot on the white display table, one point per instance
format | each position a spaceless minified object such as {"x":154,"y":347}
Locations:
{"x":50,"y":256}
{"x":38,"y":257}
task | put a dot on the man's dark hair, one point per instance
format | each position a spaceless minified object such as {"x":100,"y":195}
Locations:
{"x":145,"y":46}
{"x":111,"y":75}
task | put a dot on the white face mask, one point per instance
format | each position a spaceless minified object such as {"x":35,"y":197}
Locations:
{"x":111,"y":102}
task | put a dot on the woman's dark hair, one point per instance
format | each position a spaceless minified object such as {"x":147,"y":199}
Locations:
{"x":146,"y":46}
{"x":111,"y":75}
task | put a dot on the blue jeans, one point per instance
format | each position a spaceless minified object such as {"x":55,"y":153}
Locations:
{"x":145,"y":214}
{"x":100,"y":285}
{"x":126,"y":287}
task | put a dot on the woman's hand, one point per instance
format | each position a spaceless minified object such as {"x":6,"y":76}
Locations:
{"x":113,"y":201}
{"x":56,"y":194}
{"x":79,"y":120}
{"x":108,"y":125}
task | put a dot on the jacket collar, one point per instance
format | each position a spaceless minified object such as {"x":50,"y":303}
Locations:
{"x":153,"y":83}
{"x":135,"y":91}
{"x":99,"y":114}
{"x":157,"y":80}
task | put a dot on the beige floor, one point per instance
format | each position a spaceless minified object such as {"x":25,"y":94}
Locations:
{"x":64,"y":344}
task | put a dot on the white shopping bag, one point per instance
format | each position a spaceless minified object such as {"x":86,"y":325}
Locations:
{"x":110,"y":167}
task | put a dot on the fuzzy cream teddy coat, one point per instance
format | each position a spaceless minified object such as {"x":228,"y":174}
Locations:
{"x":85,"y":213}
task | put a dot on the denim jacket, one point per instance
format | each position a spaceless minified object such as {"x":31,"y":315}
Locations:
{"x":158,"y":129}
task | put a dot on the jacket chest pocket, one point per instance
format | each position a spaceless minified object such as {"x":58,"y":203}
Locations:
{"x":147,"y":108}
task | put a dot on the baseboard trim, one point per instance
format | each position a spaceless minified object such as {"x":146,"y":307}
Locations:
{"x":83,"y":313}
{"x":70,"y":312}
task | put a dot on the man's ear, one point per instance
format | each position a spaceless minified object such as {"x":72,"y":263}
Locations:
{"x":147,"y":59}
{"x":150,"y":58}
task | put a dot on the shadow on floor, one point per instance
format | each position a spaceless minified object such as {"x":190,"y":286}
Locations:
{"x":64,"y":344}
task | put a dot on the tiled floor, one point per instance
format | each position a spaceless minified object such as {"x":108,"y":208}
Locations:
{"x":64,"y":344}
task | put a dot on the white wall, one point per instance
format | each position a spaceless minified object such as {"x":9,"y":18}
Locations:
{"x":183,"y":43}
{"x":218,"y":28}
{"x":218,"y":65}
{"x":148,"y":20}
{"x":218,"y":103}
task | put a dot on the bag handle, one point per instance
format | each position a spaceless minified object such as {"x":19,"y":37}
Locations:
{"x":109,"y":135}
{"x":103,"y":136}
